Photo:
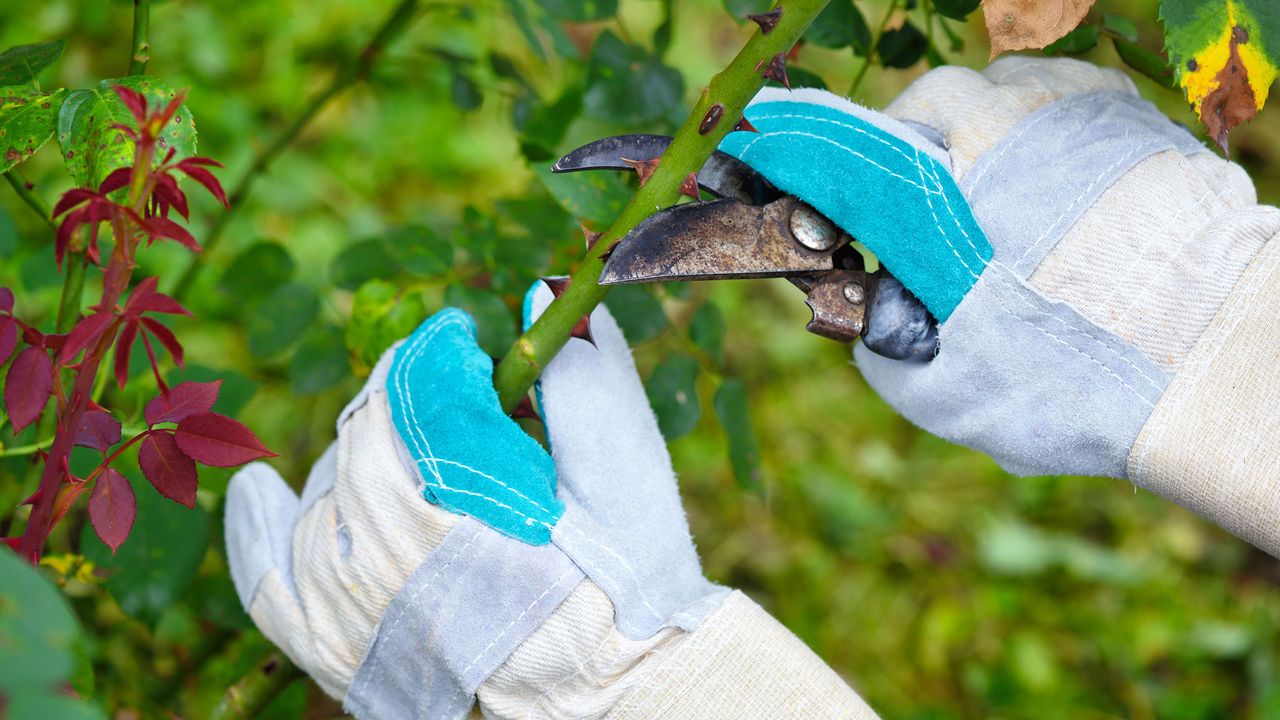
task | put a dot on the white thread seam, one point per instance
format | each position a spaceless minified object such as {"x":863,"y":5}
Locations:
{"x":635,"y":586}
{"x":462,"y":675}
{"x":405,"y":608}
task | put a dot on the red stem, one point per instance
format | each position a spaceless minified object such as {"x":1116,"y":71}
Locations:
{"x":115,"y":283}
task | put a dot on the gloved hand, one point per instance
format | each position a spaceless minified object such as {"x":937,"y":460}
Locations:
{"x":438,"y":553}
{"x":1103,"y":283}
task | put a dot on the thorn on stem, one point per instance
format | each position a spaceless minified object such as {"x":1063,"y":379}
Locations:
{"x":767,"y":21}
{"x":745,"y":125}
{"x":591,"y":236}
{"x":582,"y":330}
{"x":690,"y":187}
{"x":644,"y":168}
{"x":609,"y":250}
{"x":525,"y":410}
{"x":775,"y":68}
{"x":557,"y":285}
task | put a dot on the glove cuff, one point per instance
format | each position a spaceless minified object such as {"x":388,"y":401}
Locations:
{"x":1212,"y":444}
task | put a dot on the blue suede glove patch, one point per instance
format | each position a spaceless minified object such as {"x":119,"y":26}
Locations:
{"x":898,"y":201}
{"x":473,"y":459}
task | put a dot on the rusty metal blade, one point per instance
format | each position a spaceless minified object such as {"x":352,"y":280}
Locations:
{"x":723,"y":175}
{"x":719,"y":239}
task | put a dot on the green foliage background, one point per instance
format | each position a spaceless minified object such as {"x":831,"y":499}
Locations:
{"x":939,"y":586}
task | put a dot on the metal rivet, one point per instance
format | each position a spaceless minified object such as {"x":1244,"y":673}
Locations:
{"x":854,"y":293}
{"x":812,"y":230}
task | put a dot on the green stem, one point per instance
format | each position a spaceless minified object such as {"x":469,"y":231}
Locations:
{"x":871,"y":51}
{"x":733,"y":88}
{"x":255,"y":691}
{"x":355,"y":69}
{"x":20,"y":186}
{"x":141,"y":53}
{"x":73,"y":283}
{"x":26,"y":449}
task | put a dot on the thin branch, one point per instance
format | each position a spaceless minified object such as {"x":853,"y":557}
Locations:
{"x":871,"y":51}
{"x":354,"y":70}
{"x":256,"y":690}
{"x":141,"y":52}
{"x":732,"y":88}
{"x":31,"y":199}
{"x":73,"y":283}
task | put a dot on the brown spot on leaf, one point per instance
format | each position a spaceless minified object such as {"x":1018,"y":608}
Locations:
{"x":1232,"y":102}
{"x":11,"y":155}
{"x":1030,"y":24}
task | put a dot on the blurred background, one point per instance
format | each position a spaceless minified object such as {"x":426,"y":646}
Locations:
{"x":938,"y":585}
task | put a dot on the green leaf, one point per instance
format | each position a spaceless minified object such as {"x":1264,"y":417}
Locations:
{"x":380,"y":315}
{"x":28,"y":118}
{"x":92,"y":147}
{"x":706,"y":330}
{"x":1144,"y":61}
{"x":21,"y":64}
{"x":418,"y":250}
{"x":637,"y":311}
{"x":580,"y":10}
{"x":1225,"y":55}
{"x":160,"y":558}
{"x":840,"y":24}
{"x":495,"y":328}
{"x":1121,"y":25}
{"x":799,"y":78}
{"x":361,"y":262}
{"x":1082,"y":39}
{"x":40,"y":705}
{"x":464,"y":91}
{"x":744,"y":452}
{"x":320,"y":362}
{"x":955,"y":9}
{"x":740,"y":9}
{"x":902,"y":47}
{"x":280,"y":319}
{"x":256,"y":271}
{"x":673,"y":393}
{"x":626,"y":84}
{"x":595,"y":197}
{"x":545,"y":129}
{"x":37,"y":629}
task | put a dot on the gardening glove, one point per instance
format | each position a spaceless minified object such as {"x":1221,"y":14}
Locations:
{"x":439,"y":553}
{"x":1105,"y":286}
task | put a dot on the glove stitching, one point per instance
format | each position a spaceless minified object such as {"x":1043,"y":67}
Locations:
{"x":485,"y":651}
{"x":636,"y":588}
{"x":1088,"y":189}
{"x":405,"y":401}
{"x":997,"y":295}
{"x":937,"y":181}
{"x":404,"y":609}
{"x":1084,"y":331}
{"x":855,"y":128}
{"x":850,"y":150}
{"x":938,"y":223}
{"x":582,"y":668}
{"x":416,"y":350}
{"x":1008,"y":143}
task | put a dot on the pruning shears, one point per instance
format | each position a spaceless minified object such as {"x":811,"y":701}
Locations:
{"x":754,"y":230}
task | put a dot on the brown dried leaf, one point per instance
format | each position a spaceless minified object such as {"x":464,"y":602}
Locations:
{"x":1030,"y":24}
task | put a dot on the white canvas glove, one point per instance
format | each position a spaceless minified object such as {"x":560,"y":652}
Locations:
{"x":1093,"y":267}
{"x":404,"y":609}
